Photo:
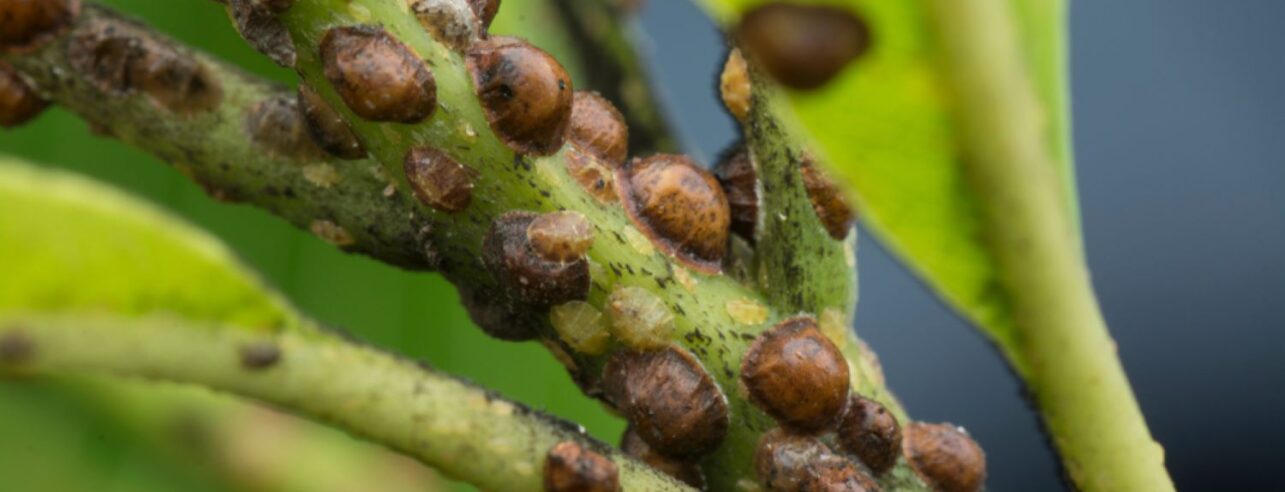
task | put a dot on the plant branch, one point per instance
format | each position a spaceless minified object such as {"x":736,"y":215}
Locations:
{"x":399,"y":230}
{"x":1063,"y":349}
{"x":294,"y":180}
{"x":240,"y":444}
{"x":462,"y":430}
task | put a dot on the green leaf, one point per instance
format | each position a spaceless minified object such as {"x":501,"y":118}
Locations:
{"x":70,"y":245}
{"x":885,"y":126}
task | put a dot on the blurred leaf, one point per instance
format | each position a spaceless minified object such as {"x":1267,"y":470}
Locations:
{"x":67,"y":245}
{"x":884,"y":125}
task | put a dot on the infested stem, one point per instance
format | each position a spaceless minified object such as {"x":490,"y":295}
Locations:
{"x":1062,"y":349}
{"x":715,"y":316}
{"x":466,"y":432}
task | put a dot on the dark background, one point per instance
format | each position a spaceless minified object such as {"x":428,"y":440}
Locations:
{"x":1178,"y":138}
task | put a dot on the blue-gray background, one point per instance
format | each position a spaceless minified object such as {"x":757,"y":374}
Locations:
{"x":1180,"y":143}
{"x":1178,"y":137}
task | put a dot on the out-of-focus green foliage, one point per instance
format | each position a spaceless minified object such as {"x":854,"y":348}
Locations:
{"x":69,"y":245}
{"x":415,"y":314}
{"x":885,"y":125}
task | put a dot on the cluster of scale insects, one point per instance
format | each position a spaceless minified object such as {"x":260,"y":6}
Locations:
{"x":828,"y":438}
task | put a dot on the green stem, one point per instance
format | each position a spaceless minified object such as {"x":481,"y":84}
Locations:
{"x":214,"y":150}
{"x":214,"y":147}
{"x":1063,"y":349}
{"x":464,"y":431}
{"x":241,"y":445}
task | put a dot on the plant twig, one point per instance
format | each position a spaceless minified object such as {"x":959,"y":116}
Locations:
{"x":709,"y":309}
{"x":295,"y":181}
{"x":464,"y":431}
{"x":1063,"y":349}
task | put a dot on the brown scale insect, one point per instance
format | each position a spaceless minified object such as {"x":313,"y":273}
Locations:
{"x":327,"y":128}
{"x":528,"y":277}
{"x":378,"y":77}
{"x":686,"y":471}
{"x":278,"y":125}
{"x":598,"y":127}
{"x":786,"y":462}
{"x":679,"y":205}
{"x":497,"y":316}
{"x":525,"y":93}
{"x":16,"y":347}
{"x":258,"y":356}
{"x":734,"y":85}
{"x":259,"y":25}
{"x":120,"y":58}
{"x":25,"y":25}
{"x":827,"y":200}
{"x":797,"y":375}
{"x":560,"y":236}
{"x":485,"y":10}
{"x":672,"y":403}
{"x":945,"y":457}
{"x":735,"y":172}
{"x":438,"y":180}
{"x":19,"y":102}
{"x":593,"y":175}
{"x":450,"y":22}
{"x":569,"y":467}
{"x":871,"y":432}
{"x":803,"y":46}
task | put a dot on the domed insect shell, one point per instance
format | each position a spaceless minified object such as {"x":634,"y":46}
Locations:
{"x":736,"y":173}
{"x":689,"y":472}
{"x":19,"y":102}
{"x":569,"y":467}
{"x":594,"y":175}
{"x":598,"y":127}
{"x":871,"y":432}
{"x":450,"y":22}
{"x":526,"y":276}
{"x":498,"y":316}
{"x":672,"y":403}
{"x":438,"y":180}
{"x":524,"y":91}
{"x":679,"y":205}
{"x":560,"y":236}
{"x":945,"y":457}
{"x":378,"y":77}
{"x":27,"y":25}
{"x":485,"y":10}
{"x":327,"y":128}
{"x":802,"y":46}
{"x":119,"y":57}
{"x":258,"y":23}
{"x":734,"y":85}
{"x":827,"y":199}
{"x":785,"y":461}
{"x":278,"y":125}
{"x":797,"y":375}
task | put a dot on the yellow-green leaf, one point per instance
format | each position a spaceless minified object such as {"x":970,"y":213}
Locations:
{"x":68,"y":245}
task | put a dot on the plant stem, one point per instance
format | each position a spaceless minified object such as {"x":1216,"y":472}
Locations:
{"x":241,"y":445}
{"x":1063,"y":349}
{"x":215,"y":150}
{"x":218,"y":151}
{"x":466,"y":432}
